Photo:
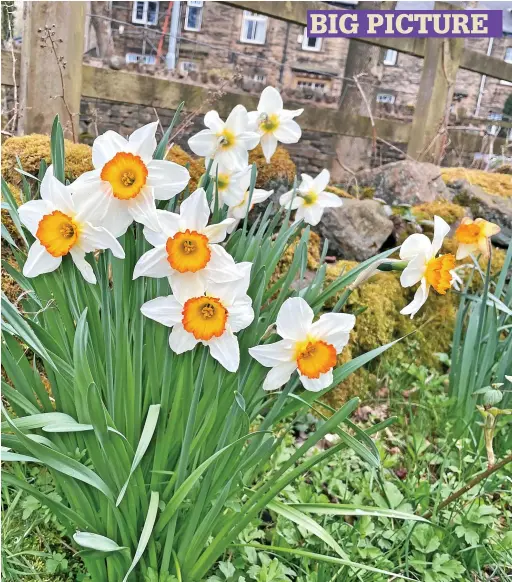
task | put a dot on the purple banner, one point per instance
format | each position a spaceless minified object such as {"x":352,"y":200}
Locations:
{"x":404,"y":23}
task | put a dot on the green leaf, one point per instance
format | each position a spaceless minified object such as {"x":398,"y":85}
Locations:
{"x":355,"y":510}
{"x":94,"y":541}
{"x":57,"y":150}
{"x":146,"y":532}
{"x":39,"y":420}
{"x":145,"y":439}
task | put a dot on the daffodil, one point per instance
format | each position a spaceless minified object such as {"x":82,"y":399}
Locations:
{"x":311,"y":199}
{"x":185,"y":249}
{"x":310,"y":348}
{"x":473,"y":236}
{"x":226,"y":142}
{"x":211,"y":318}
{"x":273,"y":123}
{"x":126,"y":180}
{"x":424,"y":267}
{"x":61,"y":225}
{"x":230,"y":182}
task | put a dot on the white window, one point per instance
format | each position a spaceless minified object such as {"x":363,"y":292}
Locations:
{"x":385,"y":98}
{"x":318,"y":85}
{"x":188,"y":66}
{"x":259,"y":78}
{"x":194,"y":15}
{"x":145,"y":13}
{"x":390,"y":57}
{"x":137,"y":58}
{"x":310,"y":44}
{"x":254,"y":28}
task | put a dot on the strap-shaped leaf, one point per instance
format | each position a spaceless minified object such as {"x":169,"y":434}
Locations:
{"x":94,"y":541}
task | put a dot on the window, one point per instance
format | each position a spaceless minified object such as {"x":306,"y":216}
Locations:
{"x":259,"y":78}
{"x":390,"y":57}
{"x":318,"y":85}
{"x":137,"y":58}
{"x":254,"y":28}
{"x":194,"y":15}
{"x":310,"y":44}
{"x":385,"y":98}
{"x":145,"y":13}
{"x":188,"y":66}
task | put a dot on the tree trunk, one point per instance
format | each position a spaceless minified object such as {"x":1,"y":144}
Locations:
{"x":100,"y":19}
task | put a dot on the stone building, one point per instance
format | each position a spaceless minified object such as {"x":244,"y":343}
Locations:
{"x":217,"y":44}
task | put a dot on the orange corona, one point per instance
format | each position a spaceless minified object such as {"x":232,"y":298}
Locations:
{"x":188,"y":252}
{"x":126,"y":173}
{"x":57,"y":232}
{"x":438,"y":273}
{"x":315,"y":357}
{"x":204,"y":317}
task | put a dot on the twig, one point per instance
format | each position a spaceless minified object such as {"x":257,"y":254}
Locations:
{"x":475,"y":481}
{"x":369,"y":109}
{"x":14,"y":119}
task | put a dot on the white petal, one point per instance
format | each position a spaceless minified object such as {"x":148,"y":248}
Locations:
{"x":321,"y":182}
{"x":313,"y":214}
{"x":238,"y":282}
{"x":187,"y":285}
{"x":463,"y":250}
{"x":334,"y":328}
{"x":419,"y":299}
{"x":154,"y":263}
{"x":241,"y":314}
{"x":268,"y":145}
{"x":92,"y":197}
{"x":306,"y":183}
{"x":221,"y":267}
{"x":32,"y":212}
{"x":259,"y":196}
{"x":204,"y":143}
{"x":270,"y":101}
{"x":286,"y":198}
{"x":106,"y":146}
{"x":167,"y":178}
{"x":156,"y":237}
{"x":288,"y":131}
{"x":271,"y":355}
{"x":40,"y":261}
{"x":253,"y":121}
{"x":216,"y":233}
{"x":165,"y":310}
{"x":279,"y":375}
{"x":225,"y":350}
{"x":329,"y":200}
{"x":294,"y":319}
{"x":213,"y":121}
{"x":235,"y":156}
{"x":56,"y":193}
{"x":441,"y":229}
{"x":317,"y":384}
{"x":414,"y":271}
{"x":248,"y":139}
{"x":290,"y":114}
{"x":82,"y":265}
{"x":142,"y":208}
{"x":142,"y":141}
{"x":416,"y":244}
{"x":92,"y":238}
{"x":118,"y":217}
{"x":194,"y":211}
{"x":237,"y":120}
{"x":181,"y":340}
{"x":170,"y":223}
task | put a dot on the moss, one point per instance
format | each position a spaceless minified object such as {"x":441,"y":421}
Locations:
{"x":31,"y":149}
{"x":9,"y":286}
{"x":339,"y":192}
{"x":448,"y":210}
{"x":496,"y":184}
{"x":280,"y":168}
{"x":362,"y":192}
{"x":195,"y":165}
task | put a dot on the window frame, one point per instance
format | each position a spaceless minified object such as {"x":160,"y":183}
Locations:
{"x":305,"y":47}
{"x":395,"y":60}
{"x":139,"y":58}
{"x":200,"y":8}
{"x":144,"y":19}
{"x":255,"y":16}
{"x":386,"y":95}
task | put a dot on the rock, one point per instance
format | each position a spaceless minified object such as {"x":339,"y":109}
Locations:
{"x":495,"y":209}
{"x":404,"y":182}
{"x":357,"y":230}
{"x":117,"y":63}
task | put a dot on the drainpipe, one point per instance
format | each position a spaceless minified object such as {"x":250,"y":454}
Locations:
{"x":170,"y":59}
{"x":482,"y":82}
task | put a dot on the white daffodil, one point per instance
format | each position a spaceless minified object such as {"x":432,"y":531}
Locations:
{"x":239,"y":210}
{"x":229,"y":182}
{"x":310,"y":348}
{"x":473,"y":236}
{"x":424,"y":267}
{"x":311,"y":199}
{"x":185,"y":249}
{"x":227,"y":142}
{"x":273,"y":123}
{"x":211,"y":318}
{"x":61,"y":225}
{"x":126,"y":180}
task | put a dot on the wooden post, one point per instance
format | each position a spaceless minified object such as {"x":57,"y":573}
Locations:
{"x":440,"y":64}
{"x":51,"y":66}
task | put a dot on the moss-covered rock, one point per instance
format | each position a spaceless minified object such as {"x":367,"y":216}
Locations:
{"x":496,"y":184}
{"x":31,"y":149}
{"x":448,"y":210}
{"x":195,"y":165}
{"x":339,"y":192}
{"x":280,"y":169}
